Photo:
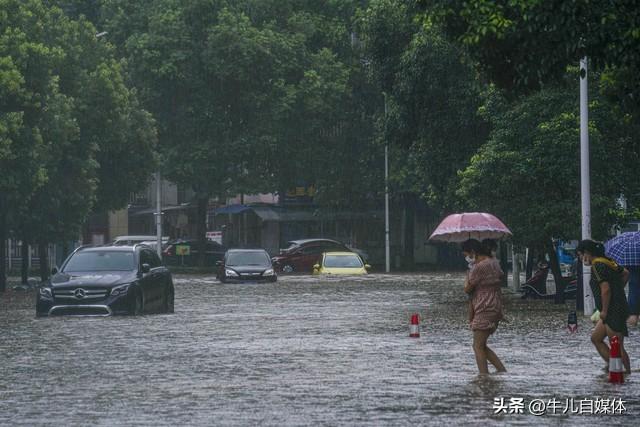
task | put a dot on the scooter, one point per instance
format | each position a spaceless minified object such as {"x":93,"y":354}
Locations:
{"x":536,"y":286}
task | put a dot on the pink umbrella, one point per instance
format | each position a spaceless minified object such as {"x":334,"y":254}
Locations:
{"x":470,"y":225}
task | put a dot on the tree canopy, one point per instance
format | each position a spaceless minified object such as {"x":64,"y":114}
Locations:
{"x":72,"y":134}
{"x":433,"y":97}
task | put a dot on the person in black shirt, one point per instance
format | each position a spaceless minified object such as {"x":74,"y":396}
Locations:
{"x":607,"y":285}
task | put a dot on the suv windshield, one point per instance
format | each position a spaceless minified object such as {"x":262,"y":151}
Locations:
{"x":342,"y":261}
{"x":248,"y":258}
{"x":101,"y":261}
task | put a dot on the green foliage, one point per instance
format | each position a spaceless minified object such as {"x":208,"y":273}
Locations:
{"x":432,"y":100}
{"x":72,"y":135}
{"x":24,"y":89}
{"x":528,"y":173}
{"x":249,"y":95}
{"x":524,"y":44}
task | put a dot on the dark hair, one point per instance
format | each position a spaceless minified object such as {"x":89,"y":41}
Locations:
{"x":472,"y":245}
{"x":591,"y":246}
{"x":490,"y":245}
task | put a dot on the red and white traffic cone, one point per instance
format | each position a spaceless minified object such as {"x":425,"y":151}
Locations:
{"x":572,"y":322}
{"x":414,"y":326}
{"x":616,"y":368}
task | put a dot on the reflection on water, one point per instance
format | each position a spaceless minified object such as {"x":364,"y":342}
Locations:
{"x":302,"y":351}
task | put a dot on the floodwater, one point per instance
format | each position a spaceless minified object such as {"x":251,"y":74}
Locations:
{"x":305,"y":351}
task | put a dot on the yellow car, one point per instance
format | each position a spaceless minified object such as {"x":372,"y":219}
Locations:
{"x":341,"y":263}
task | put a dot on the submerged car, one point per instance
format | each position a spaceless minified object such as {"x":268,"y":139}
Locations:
{"x":246,"y":265}
{"x":341,"y":263}
{"x":214,"y":252}
{"x":301,"y":255}
{"x":108,"y":280}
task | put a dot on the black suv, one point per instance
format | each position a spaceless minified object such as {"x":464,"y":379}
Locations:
{"x":106,"y":280}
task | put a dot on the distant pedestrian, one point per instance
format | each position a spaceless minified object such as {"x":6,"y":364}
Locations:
{"x":483,"y":283}
{"x":607,"y":286}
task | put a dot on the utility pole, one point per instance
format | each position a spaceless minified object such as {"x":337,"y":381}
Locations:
{"x":158,"y":215}
{"x":585,"y":189}
{"x":387,"y":249}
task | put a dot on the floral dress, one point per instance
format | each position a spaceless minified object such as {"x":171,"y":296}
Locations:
{"x":486,"y":300}
{"x":606,"y":270}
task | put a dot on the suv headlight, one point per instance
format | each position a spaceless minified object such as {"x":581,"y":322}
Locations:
{"x":46,"y":293}
{"x":120,"y":290}
{"x":268,"y":272}
{"x":229,"y":272}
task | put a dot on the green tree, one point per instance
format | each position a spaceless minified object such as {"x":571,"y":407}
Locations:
{"x":528,"y":172}
{"x":524,"y":44}
{"x":212,"y":80}
{"x":72,"y":133}
{"x":25,"y":67}
{"x":58,"y":208}
{"x":433,"y":97}
{"x":248,"y":95}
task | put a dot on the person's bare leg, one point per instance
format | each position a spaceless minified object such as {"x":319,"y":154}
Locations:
{"x":480,"y":350}
{"x":633,"y":320}
{"x":597,"y":338}
{"x":495,"y":360}
{"x":626,"y":361}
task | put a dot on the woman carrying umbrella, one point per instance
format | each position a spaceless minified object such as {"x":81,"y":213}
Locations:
{"x":607,"y":285}
{"x":483,"y":284}
{"x":484,"y":279}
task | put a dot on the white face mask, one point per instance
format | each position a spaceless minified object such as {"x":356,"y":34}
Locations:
{"x":469,"y":260}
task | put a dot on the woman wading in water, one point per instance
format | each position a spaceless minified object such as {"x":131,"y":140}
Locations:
{"x":607,"y":286}
{"x":485,"y":312}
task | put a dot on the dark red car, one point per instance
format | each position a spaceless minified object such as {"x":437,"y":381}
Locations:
{"x":301,"y":255}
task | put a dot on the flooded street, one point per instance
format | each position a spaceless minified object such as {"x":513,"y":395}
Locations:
{"x":302,"y":351}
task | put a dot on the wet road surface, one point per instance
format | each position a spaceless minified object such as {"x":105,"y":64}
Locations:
{"x":302,"y":351}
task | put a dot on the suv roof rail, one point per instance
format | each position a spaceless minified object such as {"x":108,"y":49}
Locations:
{"x":141,"y":244}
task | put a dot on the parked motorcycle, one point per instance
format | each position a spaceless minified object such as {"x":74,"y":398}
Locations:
{"x":536,"y":286}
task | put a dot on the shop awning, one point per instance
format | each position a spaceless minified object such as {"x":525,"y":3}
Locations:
{"x":267,"y":213}
{"x":231,"y":209}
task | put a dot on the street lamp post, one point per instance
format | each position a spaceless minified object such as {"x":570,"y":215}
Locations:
{"x":158,"y":214}
{"x":585,"y":190}
{"x":387,"y":249}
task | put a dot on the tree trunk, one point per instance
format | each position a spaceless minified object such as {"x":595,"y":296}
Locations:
{"x":3,"y":242}
{"x":43,"y":253}
{"x":201,"y":226}
{"x":24,"y":268}
{"x":529,"y":266}
{"x":555,"y":269}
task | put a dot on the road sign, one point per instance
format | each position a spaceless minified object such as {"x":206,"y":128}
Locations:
{"x":183,"y":250}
